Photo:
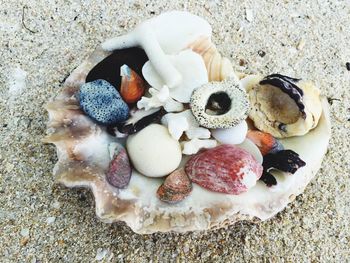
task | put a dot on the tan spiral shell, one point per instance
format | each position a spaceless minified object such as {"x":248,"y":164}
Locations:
{"x":218,"y":67}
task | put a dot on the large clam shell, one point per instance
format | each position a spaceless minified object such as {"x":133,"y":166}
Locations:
{"x":82,"y":148}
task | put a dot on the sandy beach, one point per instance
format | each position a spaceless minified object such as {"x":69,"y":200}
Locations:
{"x":41,"y":42}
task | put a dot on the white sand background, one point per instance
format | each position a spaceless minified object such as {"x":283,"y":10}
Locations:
{"x":41,"y":221}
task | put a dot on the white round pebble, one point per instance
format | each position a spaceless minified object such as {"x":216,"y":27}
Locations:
{"x":153,"y":151}
{"x":25,"y":232}
{"x":50,"y":220}
{"x":101,"y":254}
{"x":234,"y":135}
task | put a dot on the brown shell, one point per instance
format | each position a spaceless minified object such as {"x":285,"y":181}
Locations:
{"x":176,"y":187}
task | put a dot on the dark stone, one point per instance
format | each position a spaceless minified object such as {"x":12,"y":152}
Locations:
{"x":109,"y":68}
{"x":261,"y":53}
{"x":285,"y":161}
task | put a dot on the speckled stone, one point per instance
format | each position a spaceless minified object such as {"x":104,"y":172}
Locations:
{"x":60,"y":35}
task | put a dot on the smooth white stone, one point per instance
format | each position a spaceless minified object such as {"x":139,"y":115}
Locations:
{"x":153,"y":151}
{"x":234,"y":135}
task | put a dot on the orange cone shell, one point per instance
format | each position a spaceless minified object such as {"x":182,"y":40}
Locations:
{"x":132,"y":85}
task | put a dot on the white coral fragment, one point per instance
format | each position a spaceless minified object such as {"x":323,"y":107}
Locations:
{"x":198,"y":132}
{"x":167,"y":33}
{"x":177,"y":126}
{"x":194,"y":145}
{"x":159,"y":98}
{"x":192,"y":69}
{"x":178,"y":123}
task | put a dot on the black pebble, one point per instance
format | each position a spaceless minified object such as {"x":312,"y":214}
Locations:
{"x":261,"y":53}
{"x":268,"y":179}
{"x":348,"y":66}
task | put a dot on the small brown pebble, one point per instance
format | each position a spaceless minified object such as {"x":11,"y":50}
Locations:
{"x":301,"y":44}
{"x":61,"y":242}
{"x":242,"y":62}
{"x":24,"y":241}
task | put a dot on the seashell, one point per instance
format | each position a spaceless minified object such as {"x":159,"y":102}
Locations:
{"x":265,"y":142}
{"x":132,"y":85}
{"x":82,"y":149}
{"x":219,"y":68}
{"x":234,"y":135}
{"x":176,"y":187}
{"x":250,"y":147}
{"x":153,"y":152}
{"x":220,"y":104}
{"x":285,"y":160}
{"x":225,"y":169}
{"x":119,"y":170}
{"x":140,"y":119}
{"x":69,"y":127}
{"x":192,"y":69}
{"x":102,"y":102}
{"x":283,"y":106}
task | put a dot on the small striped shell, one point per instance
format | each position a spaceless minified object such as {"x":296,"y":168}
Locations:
{"x":218,"y":67}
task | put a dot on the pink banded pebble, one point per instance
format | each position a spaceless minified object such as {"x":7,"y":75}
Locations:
{"x":176,"y":187}
{"x":226,"y":169}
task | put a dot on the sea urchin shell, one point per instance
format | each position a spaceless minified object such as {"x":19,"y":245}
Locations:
{"x":219,"y":104}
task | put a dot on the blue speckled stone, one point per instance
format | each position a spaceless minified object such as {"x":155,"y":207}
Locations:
{"x":102,"y":102}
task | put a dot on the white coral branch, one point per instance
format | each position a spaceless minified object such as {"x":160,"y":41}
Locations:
{"x":160,"y":98}
{"x":194,"y":145}
{"x":178,"y":123}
